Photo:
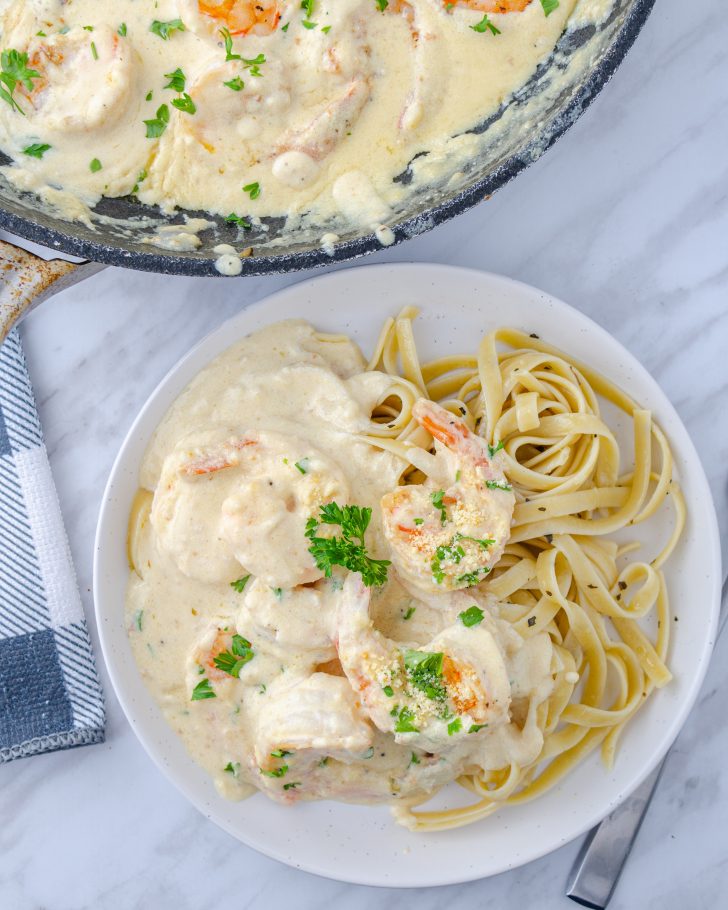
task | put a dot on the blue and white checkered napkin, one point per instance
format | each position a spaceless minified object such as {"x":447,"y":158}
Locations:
{"x":50,"y":697}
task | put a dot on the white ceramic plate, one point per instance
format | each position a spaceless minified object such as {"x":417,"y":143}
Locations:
{"x":362,"y":844}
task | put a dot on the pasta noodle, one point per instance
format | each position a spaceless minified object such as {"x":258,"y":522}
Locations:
{"x":561,"y":572}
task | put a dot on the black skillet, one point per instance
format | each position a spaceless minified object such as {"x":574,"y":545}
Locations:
{"x":516,"y":135}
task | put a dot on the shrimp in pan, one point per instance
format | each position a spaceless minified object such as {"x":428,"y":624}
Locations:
{"x":319,"y":137}
{"x":427,"y":696}
{"x":449,"y":532}
{"x":83,"y":80}
{"x":489,"y":6}
{"x":239,"y":17}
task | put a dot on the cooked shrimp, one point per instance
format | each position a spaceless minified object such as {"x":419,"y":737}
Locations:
{"x":299,"y":620}
{"x":255,"y":109}
{"x":85,"y":79}
{"x":239,"y":17}
{"x":427,"y":696}
{"x":449,"y":532}
{"x":219,"y":655}
{"x":319,"y":137}
{"x":489,"y":6}
{"x":227,"y":505}
{"x":317,"y":718}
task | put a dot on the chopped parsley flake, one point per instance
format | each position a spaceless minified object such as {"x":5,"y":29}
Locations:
{"x":36,"y":150}
{"x":475,"y":727}
{"x":138,"y":620}
{"x":121,"y":30}
{"x":496,"y":485}
{"x":95,"y":165}
{"x":236,"y":84}
{"x":252,"y":189}
{"x":419,"y":521}
{"x":253,"y":64}
{"x":241,"y":222}
{"x":472,"y":578}
{"x":232,"y":768}
{"x":276,"y":772}
{"x":177,"y":80}
{"x":302,"y":465}
{"x":424,"y":670}
{"x":437,"y":502}
{"x":473,"y":616}
{"x":291,"y":786}
{"x":414,"y":760}
{"x":493,"y":450}
{"x":158,"y":125}
{"x":165,"y":29}
{"x":410,"y":613}
{"x":404,"y":723}
{"x":228,"y":39}
{"x":185,"y":104}
{"x":240,"y":584}
{"x":232,"y":662}
{"x":388,"y":691}
{"x":486,"y":25}
{"x":203,"y":690}
{"x":454,"y":726}
{"x":549,"y":6}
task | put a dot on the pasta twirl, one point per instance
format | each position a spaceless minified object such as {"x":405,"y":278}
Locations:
{"x":560,"y":572}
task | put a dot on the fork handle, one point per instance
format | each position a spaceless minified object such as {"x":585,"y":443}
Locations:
{"x":605,"y":849}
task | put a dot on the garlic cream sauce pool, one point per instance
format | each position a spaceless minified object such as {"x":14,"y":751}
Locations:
{"x":309,"y":111}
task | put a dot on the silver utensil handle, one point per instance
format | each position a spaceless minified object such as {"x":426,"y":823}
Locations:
{"x":605,"y":849}
{"x":597,"y":868}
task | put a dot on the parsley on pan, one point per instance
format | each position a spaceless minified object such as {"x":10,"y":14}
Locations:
{"x":549,"y":6}
{"x":349,"y":549}
{"x":165,"y":29}
{"x":14,"y":69}
{"x":202,"y":690}
{"x":486,"y":25}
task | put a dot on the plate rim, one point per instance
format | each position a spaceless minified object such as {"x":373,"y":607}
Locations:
{"x":106,"y":510}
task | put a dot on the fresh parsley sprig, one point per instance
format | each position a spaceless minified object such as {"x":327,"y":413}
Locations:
{"x":348,"y":550}
{"x":14,"y":69}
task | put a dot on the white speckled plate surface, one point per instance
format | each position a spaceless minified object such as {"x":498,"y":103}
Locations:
{"x":362,"y":844}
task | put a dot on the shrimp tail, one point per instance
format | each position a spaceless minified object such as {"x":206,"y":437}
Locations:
{"x":440,"y":423}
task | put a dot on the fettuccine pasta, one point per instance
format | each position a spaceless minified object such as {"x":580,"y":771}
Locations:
{"x":561,"y":571}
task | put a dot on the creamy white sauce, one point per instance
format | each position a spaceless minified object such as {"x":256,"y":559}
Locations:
{"x":228,"y":260}
{"x":332,"y":118}
{"x":264,"y":435}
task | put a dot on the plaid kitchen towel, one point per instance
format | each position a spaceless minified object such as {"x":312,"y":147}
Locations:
{"x":50,"y":697}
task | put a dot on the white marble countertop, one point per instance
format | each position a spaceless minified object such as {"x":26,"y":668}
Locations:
{"x":625,"y":218}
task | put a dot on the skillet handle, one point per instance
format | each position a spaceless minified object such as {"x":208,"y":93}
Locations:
{"x":26,"y":280}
